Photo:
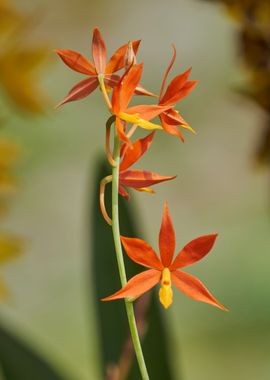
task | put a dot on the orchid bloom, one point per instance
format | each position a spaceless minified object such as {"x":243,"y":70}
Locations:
{"x":166,"y":269}
{"x":80,"y":64}
{"x":139,"y":180}
{"x":177,"y":89}
{"x":138,"y":115}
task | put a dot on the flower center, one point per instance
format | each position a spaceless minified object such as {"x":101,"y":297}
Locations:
{"x":165,"y":292}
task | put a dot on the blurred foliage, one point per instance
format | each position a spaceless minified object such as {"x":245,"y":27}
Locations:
{"x":253,"y":20}
{"x":115,"y":344}
{"x":20,"y":362}
{"x":19,"y":62}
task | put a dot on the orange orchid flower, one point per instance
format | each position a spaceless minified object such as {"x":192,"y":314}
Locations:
{"x":80,"y":64}
{"x":177,"y":89}
{"x":138,"y":115}
{"x":166,"y":269}
{"x":139,"y":180}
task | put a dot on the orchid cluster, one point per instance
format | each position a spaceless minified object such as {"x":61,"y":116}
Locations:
{"x":118,"y":91}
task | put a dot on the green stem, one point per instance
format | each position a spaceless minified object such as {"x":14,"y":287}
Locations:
{"x":120,"y":259}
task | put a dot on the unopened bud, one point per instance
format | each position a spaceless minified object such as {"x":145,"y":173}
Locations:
{"x":130,"y":57}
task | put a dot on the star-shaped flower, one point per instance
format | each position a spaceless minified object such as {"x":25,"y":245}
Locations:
{"x":138,"y":115}
{"x":139,"y":180}
{"x":178,"y":88}
{"x":165,"y":269}
{"x":100,"y":67}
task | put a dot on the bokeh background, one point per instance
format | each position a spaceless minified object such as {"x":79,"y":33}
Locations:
{"x":218,"y":188}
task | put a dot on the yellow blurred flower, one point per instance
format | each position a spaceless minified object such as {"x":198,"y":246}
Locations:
{"x":19,"y":63}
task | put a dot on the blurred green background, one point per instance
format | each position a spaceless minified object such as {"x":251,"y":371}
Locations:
{"x":218,"y":189}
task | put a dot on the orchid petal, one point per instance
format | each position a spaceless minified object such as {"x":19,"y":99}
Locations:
{"x":167,"y":71}
{"x":183,"y":92}
{"x":145,"y":190}
{"x":147,"y":112}
{"x":122,"y":191}
{"x":194,"y":288}
{"x":142,"y":91}
{"x":76,"y":61}
{"x":99,"y":51}
{"x":171,"y":129}
{"x":194,"y":251}
{"x":129,"y":83}
{"x":80,"y":90}
{"x":135,"y":119}
{"x":174,"y":88}
{"x":112,"y":80}
{"x":137,"y":285}
{"x":121,"y":131}
{"x":141,"y":252}
{"x":135,"y":151}
{"x":117,"y":60}
{"x":166,"y":238}
{"x":141,"y":178}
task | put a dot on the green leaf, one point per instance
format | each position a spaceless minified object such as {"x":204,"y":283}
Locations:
{"x":20,"y":362}
{"x":111,"y":316}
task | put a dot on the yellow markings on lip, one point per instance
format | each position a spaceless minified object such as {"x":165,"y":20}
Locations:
{"x":135,"y":119}
{"x":165,"y":292}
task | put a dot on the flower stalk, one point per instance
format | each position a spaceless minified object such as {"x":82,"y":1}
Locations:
{"x":120,"y":259}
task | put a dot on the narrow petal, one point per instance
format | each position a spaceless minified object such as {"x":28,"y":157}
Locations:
{"x":122,"y":191}
{"x":172,"y":117}
{"x":99,"y":51}
{"x":76,"y":61}
{"x":141,"y":252}
{"x":194,"y":289}
{"x":117,"y":60}
{"x":174,"y":88}
{"x":194,"y":251}
{"x":121,"y":132}
{"x":137,"y":285}
{"x":112,"y":80}
{"x":135,"y":119}
{"x":171,"y":129}
{"x":167,"y":71}
{"x":129,"y":83}
{"x":145,"y":190}
{"x":185,"y":90}
{"x":166,"y":238}
{"x":141,"y":178}
{"x":135,"y":151}
{"x":142,"y":91}
{"x":147,"y":112}
{"x":80,"y":90}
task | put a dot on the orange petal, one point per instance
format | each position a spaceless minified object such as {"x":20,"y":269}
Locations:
{"x":186,"y":90}
{"x":99,"y":51}
{"x":142,"y":91}
{"x":174,"y":88}
{"x":173,"y":117}
{"x":76,"y":61}
{"x":194,"y":289}
{"x":116,"y":61}
{"x":112,"y":80}
{"x":137,"y":285}
{"x":167,"y":71}
{"x":129,"y":83}
{"x":141,"y":178}
{"x":141,"y":252}
{"x":194,"y":251}
{"x":171,"y":129}
{"x":80,"y":90}
{"x":135,"y":151}
{"x":147,"y":112}
{"x":166,"y":238}
{"x":122,"y":191}
{"x":121,"y":131}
